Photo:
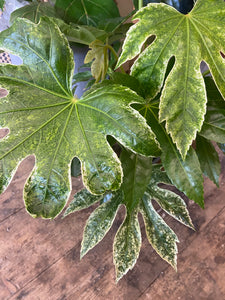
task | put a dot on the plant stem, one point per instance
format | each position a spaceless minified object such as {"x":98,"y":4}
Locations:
{"x":140,"y":4}
{"x":116,"y":56}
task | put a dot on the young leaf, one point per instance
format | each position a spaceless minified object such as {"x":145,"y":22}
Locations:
{"x":60,"y":125}
{"x":186,"y":174}
{"x":127,"y":245}
{"x":208,"y":158}
{"x":82,"y":200}
{"x":192,"y":38}
{"x":170,"y":202}
{"x":34,"y":11}
{"x":137,"y":173}
{"x":87,"y":12}
{"x":160,"y":235}
{"x":99,"y":53}
{"x":99,"y":222}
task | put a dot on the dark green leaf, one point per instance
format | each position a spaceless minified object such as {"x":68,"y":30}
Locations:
{"x":2,"y":3}
{"x":160,"y":235}
{"x":82,"y":76}
{"x":82,"y":200}
{"x":214,"y":125}
{"x":60,"y":125}
{"x":192,"y":38}
{"x":99,"y":222}
{"x":186,"y":174}
{"x":126,"y":80}
{"x":127,"y":244}
{"x":137,"y":173}
{"x":208,"y":158}
{"x":168,"y":200}
{"x":87,"y":12}
{"x":34,"y":11}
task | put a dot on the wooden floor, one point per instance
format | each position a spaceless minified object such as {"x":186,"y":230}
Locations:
{"x":39,"y":259}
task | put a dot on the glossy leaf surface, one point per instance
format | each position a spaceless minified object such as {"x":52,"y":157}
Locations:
{"x":208,"y":158}
{"x":186,"y":174}
{"x":99,"y":222}
{"x":60,"y":125}
{"x":170,"y":202}
{"x":214,"y":124}
{"x":160,"y":235}
{"x":87,"y":12}
{"x":192,"y":38}
{"x":83,"y":199}
{"x":34,"y":11}
{"x":127,"y":245}
{"x":137,"y":173}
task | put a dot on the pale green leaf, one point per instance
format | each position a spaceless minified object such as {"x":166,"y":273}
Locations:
{"x":98,"y":53}
{"x":60,"y":125}
{"x":34,"y":11}
{"x":100,"y":221}
{"x":137,"y":171}
{"x":87,"y":12}
{"x":127,"y":244}
{"x":170,"y":202}
{"x":191,"y":38}
{"x":160,"y":235}
{"x":186,"y":174}
{"x":208,"y":158}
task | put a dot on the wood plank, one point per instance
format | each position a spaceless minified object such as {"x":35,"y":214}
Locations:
{"x":31,"y":245}
{"x":201,"y":269}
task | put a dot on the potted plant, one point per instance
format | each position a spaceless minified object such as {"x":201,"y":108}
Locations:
{"x":132,"y":130}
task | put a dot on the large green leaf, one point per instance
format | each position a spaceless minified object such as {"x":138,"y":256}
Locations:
{"x":168,"y":200}
{"x":208,"y":158}
{"x":191,"y":38}
{"x":186,"y":174}
{"x":127,"y":245}
{"x":214,"y":125}
{"x":100,"y":221}
{"x":60,"y":125}
{"x":160,"y":235}
{"x":34,"y":11}
{"x":87,"y":12}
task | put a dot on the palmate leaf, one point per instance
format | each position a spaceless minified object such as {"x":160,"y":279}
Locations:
{"x":87,"y":12}
{"x":186,"y":174}
{"x":46,"y":120}
{"x":139,"y":188}
{"x":192,"y":38}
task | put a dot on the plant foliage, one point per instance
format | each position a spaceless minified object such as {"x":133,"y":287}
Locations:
{"x":134,"y":137}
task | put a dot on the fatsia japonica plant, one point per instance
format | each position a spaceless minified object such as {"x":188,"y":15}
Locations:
{"x":134,"y":129}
